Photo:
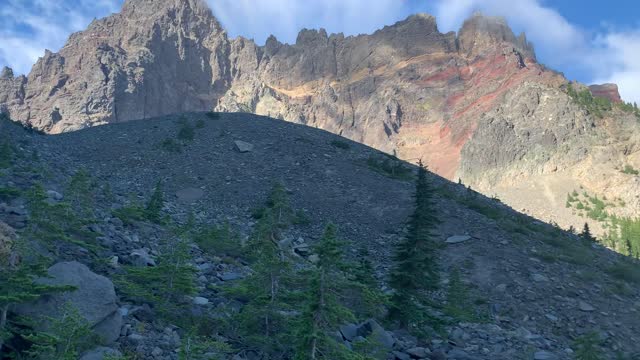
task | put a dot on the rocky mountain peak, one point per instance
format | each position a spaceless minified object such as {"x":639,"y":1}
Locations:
{"x":6,"y":73}
{"x":153,"y":7}
{"x":481,"y":33}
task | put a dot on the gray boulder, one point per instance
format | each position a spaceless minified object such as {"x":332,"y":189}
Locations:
{"x":375,"y":333}
{"x":243,"y":146}
{"x":141,"y":258}
{"x":94,"y":298}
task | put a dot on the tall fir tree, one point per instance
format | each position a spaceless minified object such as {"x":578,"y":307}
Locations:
{"x":325,"y":311}
{"x":586,"y":233}
{"x":262,"y":323}
{"x":414,"y":267}
{"x":153,"y":210}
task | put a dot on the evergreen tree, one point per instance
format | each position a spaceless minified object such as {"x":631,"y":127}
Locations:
{"x":79,"y":194}
{"x":586,"y":233}
{"x":414,"y":269}
{"x":164,"y":285}
{"x":587,"y":347}
{"x":267,"y":291}
{"x":325,"y":311}
{"x":17,"y":280}
{"x":154,"y":207}
{"x":368,"y":299}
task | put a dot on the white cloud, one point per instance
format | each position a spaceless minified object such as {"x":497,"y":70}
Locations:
{"x":28,"y":27}
{"x":607,"y":56}
{"x":285,"y":18}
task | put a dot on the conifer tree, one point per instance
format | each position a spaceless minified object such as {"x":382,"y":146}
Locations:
{"x":369,"y":300}
{"x":263,"y":319}
{"x":325,"y":311}
{"x":154,"y":207}
{"x":586,"y":233}
{"x":165,"y":284}
{"x":18,"y":280}
{"x":414,"y":269}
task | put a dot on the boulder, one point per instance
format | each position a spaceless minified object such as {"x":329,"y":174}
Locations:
{"x":243,"y":146}
{"x":418,"y":352}
{"x":100,"y":353}
{"x":457,"y":239}
{"x":141,"y":258}
{"x":94,"y":298}
{"x":544,"y":355}
{"x":586,"y":307}
{"x":189,"y":195}
{"x":372,"y":331}
{"x":349,"y":331}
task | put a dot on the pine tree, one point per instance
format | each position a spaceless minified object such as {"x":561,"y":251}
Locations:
{"x":154,"y":207}
{"x":587,"y":347}
{"x":325,"y":311}
{"x":368,"y":299}
{"x":79,"y":194}
{"x":262,"y":321}
{"x":18,"y":280}
{"x":414,"y":269}
{"x":586,"y":233}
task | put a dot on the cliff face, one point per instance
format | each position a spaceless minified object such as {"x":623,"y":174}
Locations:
{"x":474,"y":105}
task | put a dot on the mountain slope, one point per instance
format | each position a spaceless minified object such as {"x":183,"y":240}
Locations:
{"x":539,"y":288}
{"x":475,"y":105}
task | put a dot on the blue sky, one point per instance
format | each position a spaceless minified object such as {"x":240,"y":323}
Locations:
{"x":592,"y":41}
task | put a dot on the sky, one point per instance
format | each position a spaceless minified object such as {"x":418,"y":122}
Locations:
{"x":592,"y":41}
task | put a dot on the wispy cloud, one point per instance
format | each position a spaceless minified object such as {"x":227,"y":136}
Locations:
{"x":602,"y":55}
{"x":28,"y":27}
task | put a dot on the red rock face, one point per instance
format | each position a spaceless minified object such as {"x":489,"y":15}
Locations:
{"x":607,"y":91}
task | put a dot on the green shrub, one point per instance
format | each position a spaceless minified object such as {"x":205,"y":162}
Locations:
{"x":6,"y":154}
{"x":213,"y":115}
{"x":628,"y":169}
{"x":8,"y":193}
{"x":588,"y":347}
{"x":171,"y":145}
{"x":341,"y":144}
{"x":67,"y":337}
{"x":218,"y":240}
{"x":390,"y":166}
{"x":625,"y":271}
{"x":130,"y":214}
{"x":186,"y":131}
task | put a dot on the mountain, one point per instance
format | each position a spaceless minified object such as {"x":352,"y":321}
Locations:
{"x":474,"y":105}
{"x":523,"y":290}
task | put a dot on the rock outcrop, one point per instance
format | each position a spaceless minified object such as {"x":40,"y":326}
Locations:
{"x":607,"y":91}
